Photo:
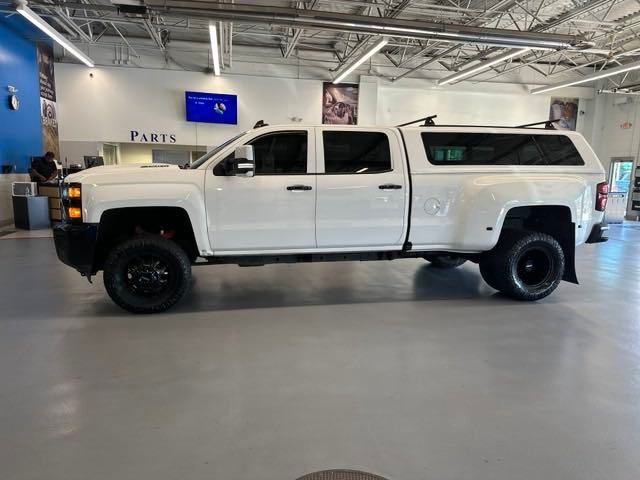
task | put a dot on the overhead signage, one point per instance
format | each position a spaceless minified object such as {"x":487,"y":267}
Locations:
{"x":151,"y":137}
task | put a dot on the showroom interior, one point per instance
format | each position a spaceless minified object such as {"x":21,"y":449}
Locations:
{"x":289,"y":368}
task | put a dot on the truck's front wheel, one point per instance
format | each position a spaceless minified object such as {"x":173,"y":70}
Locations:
{"x":524,"y":266}
{"x":147,"y":274}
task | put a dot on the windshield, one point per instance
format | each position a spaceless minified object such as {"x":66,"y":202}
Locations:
{"x":213,"y":152}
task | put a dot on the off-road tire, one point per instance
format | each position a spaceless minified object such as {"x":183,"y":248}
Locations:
{"x":118,"y":283}
{"x":444,"y":261}
{"x":525,"y":266}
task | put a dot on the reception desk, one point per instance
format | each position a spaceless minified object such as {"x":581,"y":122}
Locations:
{"x":52,"y":192}
{"x":36,"y":211}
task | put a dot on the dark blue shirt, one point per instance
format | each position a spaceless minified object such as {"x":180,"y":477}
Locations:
{"x":44,"y":167}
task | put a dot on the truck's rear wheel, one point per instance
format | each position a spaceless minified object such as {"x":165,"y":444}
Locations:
{"x":524,"y":266}
{"x":147,"y":274}
{"x":444,"y":261}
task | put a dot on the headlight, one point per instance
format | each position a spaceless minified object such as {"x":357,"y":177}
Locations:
{"x":72,"y":201}
{"x":74,"y":191}
{"x":74,"y":213}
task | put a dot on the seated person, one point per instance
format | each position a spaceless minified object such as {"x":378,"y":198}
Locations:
{"x":44,"y":169}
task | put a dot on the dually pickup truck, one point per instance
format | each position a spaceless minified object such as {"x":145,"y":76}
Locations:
{"x":517,"y":201}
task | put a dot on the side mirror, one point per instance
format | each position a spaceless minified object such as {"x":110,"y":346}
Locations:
{"x":244,"y":163}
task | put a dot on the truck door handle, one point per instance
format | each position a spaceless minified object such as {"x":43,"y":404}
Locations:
{"x":298,"y":187}
{"x":390,"y":186}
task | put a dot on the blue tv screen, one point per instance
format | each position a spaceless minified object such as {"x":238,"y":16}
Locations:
{"x":211,"y":107}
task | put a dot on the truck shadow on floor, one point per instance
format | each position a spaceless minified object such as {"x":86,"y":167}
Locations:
{"x":428,"y":284}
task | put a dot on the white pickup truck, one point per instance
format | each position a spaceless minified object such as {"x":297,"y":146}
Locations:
{"x":517,"y":201}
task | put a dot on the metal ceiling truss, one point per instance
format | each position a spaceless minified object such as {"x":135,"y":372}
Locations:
{"x":424,"y":35}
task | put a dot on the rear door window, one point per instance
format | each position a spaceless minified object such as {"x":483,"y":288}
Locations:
{"x":356,"y":152}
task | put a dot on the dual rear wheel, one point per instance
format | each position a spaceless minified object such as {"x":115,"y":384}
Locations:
{"x":524,"y":265}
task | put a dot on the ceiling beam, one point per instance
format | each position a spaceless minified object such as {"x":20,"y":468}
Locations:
{"x":297,"y":33}
{"x":431,"y":60}
{"x":393,"y":12}
{"x":153,"y":33}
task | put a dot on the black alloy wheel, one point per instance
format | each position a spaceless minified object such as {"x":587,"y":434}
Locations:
{"x":147,"y":274}
{"x":534,"y":267}
{"x":524,"y":265}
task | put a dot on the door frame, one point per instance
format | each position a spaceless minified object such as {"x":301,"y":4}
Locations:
{"x":615,"y":160}
{"x":399,"y":165}
{"x":628,"y":209}
{"x":311,"y":174}
{"x":116,"y":149}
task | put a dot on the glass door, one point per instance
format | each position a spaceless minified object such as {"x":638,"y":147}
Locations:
{"x":620,"y":175}
{"x":110,"y":154}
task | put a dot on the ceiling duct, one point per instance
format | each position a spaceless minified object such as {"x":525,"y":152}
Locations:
{"x":326,"y":20}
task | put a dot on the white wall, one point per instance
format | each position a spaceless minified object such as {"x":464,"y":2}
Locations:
{"x":143,"y":153}
{"x":616,"y":140}
{"x":107,"y":106}
{"x":398,"y":105}
{"x":467,"y":103}
{"x":74,"y":152}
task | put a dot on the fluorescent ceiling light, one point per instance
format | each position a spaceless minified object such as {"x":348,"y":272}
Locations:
{"x":589,"y":78}
{"x":366,"y":56}
{"x":213,"y":34}
{"x":34,"y":18}
{"x":482,"y":66}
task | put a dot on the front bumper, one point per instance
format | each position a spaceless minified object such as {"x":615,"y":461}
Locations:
{"x":598,"y":233}
{"x":76,"y":245}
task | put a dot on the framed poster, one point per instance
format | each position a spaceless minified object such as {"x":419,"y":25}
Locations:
{"x":565,"y":110}
{"x":340,"y":103}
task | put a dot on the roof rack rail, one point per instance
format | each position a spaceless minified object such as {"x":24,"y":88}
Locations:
{"x":547,"y":124}
{"x":428,"y":121}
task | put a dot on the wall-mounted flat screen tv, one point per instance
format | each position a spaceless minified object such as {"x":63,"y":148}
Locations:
{"x":211,"y":107}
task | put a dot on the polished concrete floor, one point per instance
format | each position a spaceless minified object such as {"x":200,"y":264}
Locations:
{"x":271,"y":373}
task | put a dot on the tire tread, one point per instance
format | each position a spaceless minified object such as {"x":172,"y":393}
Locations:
{"x":496,"y":266}
{"x":112,"y":280}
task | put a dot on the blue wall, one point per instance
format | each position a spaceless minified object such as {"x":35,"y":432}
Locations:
{"x":20,"y":130}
